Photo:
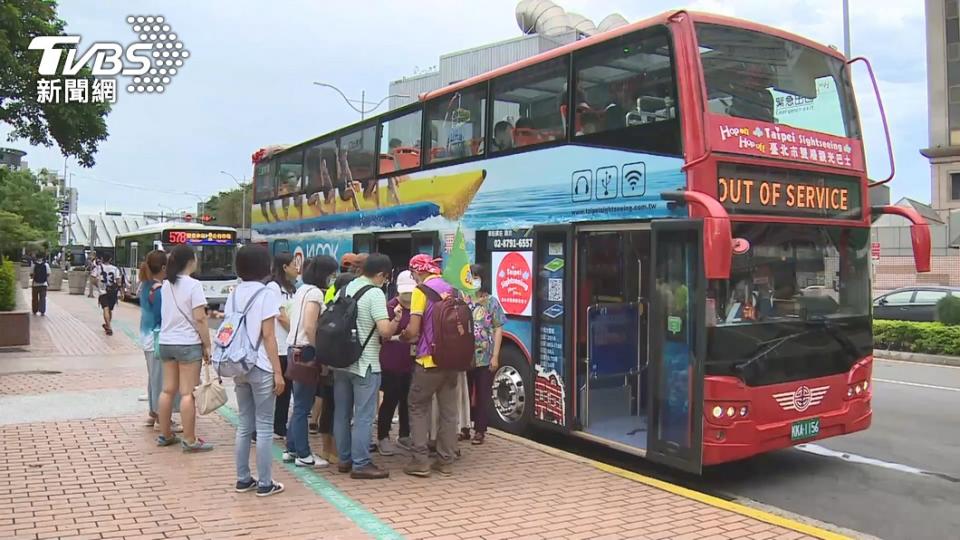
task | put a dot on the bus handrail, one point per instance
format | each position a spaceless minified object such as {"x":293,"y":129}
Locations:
{"x":883,"y":117}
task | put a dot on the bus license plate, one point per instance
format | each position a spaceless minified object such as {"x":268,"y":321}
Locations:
{"x":805,"y":429}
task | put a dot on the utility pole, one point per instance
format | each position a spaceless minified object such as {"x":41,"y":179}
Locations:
{"x":846,"y":28}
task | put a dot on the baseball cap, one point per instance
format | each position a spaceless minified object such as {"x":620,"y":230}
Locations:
{"x":348,"y":261}
{"x":405,"y":282}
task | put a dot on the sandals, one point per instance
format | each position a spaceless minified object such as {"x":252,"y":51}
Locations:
{"x":164,"y":441}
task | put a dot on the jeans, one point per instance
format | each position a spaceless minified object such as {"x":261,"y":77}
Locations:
{"x":155,"y":382}
{"x":427,"y":383}
{"x":255,"y":401}
{"x":395,"y":388}
{"x":356,"y":399}
{"x":283,"y":403}
{"x":481,"y":385}
{"x":303,"y":396}
{"x":325,"y":422}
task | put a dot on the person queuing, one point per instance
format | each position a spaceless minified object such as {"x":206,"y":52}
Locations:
{"x":488,"y":321}
{"x":396,"y":361}
{"x":257,"y":389}
{"x":93,"y":269}
{"x":306,"y":308}
{"x":184,"y":343}
{"x":355,"y":388}
{"x":152,"y":273}
{"x":429,"y":380}
{"x":281,"y":282}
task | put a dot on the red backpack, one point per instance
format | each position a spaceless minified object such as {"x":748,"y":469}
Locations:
{"x":452,"y":323}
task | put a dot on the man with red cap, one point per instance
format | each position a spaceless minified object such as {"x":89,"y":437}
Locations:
{"x":428,"y":379}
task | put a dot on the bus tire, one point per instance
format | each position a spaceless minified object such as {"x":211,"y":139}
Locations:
{"x":511,"y":406}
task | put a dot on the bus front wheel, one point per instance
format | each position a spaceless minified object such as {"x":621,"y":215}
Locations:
{"x":512,"y":393}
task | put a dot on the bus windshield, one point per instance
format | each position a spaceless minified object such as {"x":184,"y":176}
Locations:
{"x":797,"y":303}
{"x":762,"y":77}
{"x":215,"y":263}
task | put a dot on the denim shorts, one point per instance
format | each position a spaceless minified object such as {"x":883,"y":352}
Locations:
{"x":181,"y":353}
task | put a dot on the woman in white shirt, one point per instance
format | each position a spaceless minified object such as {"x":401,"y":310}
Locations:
{"x":257,"y":389}
{"x":306,"y":307}
{"x":281,"y":281}
{"x":184,"y":342}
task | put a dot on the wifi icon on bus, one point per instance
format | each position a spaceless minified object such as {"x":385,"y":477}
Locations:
{"x":633,"y":179}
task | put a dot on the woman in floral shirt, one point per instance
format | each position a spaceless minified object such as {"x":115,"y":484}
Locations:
{"x":488,"y":319}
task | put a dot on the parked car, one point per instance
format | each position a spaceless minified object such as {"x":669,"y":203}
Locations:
{"x":911,"y":303}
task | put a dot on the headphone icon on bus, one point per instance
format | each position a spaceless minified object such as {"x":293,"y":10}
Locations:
{"x":581,"y":189}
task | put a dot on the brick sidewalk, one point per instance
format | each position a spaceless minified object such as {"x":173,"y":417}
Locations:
{"x":104,"y":478}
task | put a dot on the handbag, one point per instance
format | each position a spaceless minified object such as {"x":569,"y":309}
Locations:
{"x":302,"y":365}
{"x":209,"y":395}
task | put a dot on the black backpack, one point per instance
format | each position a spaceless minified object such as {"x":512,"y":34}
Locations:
{"x":40,"y":272}
{"x":338,"y":342}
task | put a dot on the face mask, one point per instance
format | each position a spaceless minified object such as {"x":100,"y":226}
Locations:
{"x":331,"y":280}
{"x":298,"y":282}
{"x":476,"y":283}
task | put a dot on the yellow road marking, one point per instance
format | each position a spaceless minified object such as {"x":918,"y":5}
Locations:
{"x":716,"y":502}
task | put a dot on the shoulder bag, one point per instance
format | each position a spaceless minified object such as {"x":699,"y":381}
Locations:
{"x":302,"y":365}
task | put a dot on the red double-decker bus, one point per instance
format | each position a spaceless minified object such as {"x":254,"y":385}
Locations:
{"x":674,"y":215}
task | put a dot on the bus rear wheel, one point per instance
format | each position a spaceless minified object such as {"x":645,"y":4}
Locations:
{"x":511,"y":405}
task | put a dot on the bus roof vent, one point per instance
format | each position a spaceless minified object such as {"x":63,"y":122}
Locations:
{"x":547,"y":18}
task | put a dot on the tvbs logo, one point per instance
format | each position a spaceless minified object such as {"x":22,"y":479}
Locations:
{"x":150,"y":63}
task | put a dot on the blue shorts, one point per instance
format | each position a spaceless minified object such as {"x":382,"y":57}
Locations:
{"x":181,"y":353}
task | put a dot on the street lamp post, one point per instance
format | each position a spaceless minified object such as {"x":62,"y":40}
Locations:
{"x":846,"y":28}
{"x":243,"y":199}
{"x":363,"y":110}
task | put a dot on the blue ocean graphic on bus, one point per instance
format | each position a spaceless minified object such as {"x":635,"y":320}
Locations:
{"x":556,"y":185}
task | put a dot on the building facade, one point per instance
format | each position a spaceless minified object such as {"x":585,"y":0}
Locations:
{"x":943,"y":107}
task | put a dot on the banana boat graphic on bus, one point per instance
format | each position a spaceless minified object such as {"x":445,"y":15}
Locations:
{"x":402,"y":201}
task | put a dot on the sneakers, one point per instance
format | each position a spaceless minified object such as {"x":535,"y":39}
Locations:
{"x":243,"y":487}
{"x":312,"y":461}
{"x":164,"y":441}
{"x":369,"y":472}
{"x":272,"y":489}
{"x":477,"y":438}
{"x":143,"y":397}
{"x":464,"y":435}
{"x":198,"y":446}
{"x":415,"y":468}
{"x":406,"y":443}
{"x":443,"y":469}
{"x":288,"y":457}
{"x":386,"y":447}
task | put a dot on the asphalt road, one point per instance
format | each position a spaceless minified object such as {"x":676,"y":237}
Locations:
{"x":900,"y":479}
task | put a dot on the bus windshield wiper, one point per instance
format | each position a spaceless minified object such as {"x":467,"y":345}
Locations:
{"x":769,"y":347}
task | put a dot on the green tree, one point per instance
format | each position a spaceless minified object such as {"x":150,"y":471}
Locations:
{"x":20,"y":193}
{"x":226,"y":207}
{"x":14,"y":232}
{"x":77,"y":128}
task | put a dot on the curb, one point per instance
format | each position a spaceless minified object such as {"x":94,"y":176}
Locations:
{"x":716,"y":502}
{"x":917,"y":358}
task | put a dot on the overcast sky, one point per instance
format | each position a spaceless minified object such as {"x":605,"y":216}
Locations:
{"x":247,"y":83}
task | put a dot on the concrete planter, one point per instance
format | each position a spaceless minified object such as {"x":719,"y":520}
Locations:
{"x":76,"y":281}
{"x":14,"y":328}
{"x":56,"y":279}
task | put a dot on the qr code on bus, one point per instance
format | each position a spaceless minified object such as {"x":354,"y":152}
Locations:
{"x":555,"y":290}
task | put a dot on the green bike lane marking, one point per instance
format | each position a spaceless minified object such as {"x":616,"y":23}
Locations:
{"x":353,"y":510}
{"x":350,"y":508}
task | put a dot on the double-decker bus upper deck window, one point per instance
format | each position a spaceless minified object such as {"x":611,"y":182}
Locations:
{"x":289,"y":173}
{"x":456,"y":124}
{"x":626,"y":94}
{"x":529,"y":105}
{"x":762,"y":77}
{"x":357,"y":150}
{"x":321,"y":170}
{"x":400,"y":142}
{"x":264,"y":180}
